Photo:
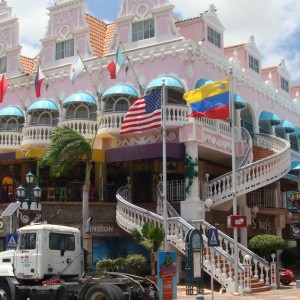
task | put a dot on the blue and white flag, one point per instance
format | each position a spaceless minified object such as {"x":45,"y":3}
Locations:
{"x":76,"y":67}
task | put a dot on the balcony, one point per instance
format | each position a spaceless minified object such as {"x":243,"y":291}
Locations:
{"x":10,"y":141}
{"x":36,"y":136}
{"x":87,"y":128}
{"x":110,"y":122}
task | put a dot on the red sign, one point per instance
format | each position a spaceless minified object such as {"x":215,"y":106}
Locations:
{"x":238,"y":221}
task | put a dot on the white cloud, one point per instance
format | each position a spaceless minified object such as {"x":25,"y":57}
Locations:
{"x":274,"y":24}
{"x":33,"y":21}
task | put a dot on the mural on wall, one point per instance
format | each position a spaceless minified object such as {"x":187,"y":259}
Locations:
{"x":295,"y":230}
{"x":293,"y":201}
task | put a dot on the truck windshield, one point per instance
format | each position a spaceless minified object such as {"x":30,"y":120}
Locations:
{"x":28,"y":241}
{"x":59,"y":241}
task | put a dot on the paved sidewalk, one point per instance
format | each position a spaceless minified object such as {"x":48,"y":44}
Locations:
{"x":283,"y":293}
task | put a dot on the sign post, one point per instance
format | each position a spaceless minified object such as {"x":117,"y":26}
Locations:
{"x":167,"y":275}
{"x":213,"y":241}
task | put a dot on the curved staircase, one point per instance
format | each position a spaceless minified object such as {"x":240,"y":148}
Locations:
{"x":250,"y":176}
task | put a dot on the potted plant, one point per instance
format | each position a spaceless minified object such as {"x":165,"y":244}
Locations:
{"x":151,"y":237}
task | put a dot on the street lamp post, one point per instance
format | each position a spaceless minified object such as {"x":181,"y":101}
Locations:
{"x":30,"y":194}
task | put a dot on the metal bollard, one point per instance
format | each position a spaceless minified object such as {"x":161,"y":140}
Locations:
{"x":200,"y":297}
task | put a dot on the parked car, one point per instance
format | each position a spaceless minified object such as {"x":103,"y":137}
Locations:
{"x":286,"y":276}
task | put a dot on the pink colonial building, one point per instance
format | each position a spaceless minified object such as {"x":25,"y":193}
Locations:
{"x":200,"y":184}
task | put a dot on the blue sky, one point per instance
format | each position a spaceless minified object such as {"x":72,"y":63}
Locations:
{"x":275,"y":24}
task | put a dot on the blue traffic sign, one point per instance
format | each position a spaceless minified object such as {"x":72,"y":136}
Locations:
{"x":213,"y":239}
{"x":11,"y":241}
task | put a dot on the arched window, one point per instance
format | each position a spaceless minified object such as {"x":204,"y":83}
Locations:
{"x":82,"y":112}
{"x":121,"y":105}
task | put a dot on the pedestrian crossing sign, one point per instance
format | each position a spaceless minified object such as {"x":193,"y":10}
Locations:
{"x":213,"y":239}
{"x":11,"y":241}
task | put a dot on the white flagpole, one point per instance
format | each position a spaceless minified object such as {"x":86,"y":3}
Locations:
{"x":234,"y":199}
{"x":165,"y":225}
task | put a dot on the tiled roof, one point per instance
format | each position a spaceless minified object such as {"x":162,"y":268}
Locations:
{"x":100,"y":35}
{"x":269,"y":68}
{"x":295,"y":86}
{"x":234,"y":46}
{"x":29,"y":64}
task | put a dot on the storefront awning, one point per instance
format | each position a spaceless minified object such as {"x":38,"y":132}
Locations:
{"x":269,"y":117}
{"x":120,"y":89}
{"x":287,"y":126}
{"x":44,"y":104}
{"x":11,"y":111}
{"x":169,"y":82}
{"x":80,"y":97}
{"x":295,"y":165}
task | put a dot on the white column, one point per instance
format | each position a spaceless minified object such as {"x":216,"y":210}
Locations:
{"x":192,"y":208}
{"x":246,"y":211}
{"x":279,"y":225}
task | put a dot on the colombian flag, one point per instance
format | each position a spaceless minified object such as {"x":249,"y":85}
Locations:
{"x":210,"y":100}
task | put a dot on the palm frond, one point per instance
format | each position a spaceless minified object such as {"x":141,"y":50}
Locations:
{"x":66,"y":149}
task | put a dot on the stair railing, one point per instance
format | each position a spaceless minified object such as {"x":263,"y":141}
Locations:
{"x":255,"y":175}
{"x":130,"y":216}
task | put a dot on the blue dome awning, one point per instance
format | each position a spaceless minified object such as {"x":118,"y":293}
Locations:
{"x":239,"y":102}
{"x":43,"y":104}
{"x":295,"y":165}
{"x":202,"y":82}
{"x":169,"y":82}
{"x":11,"y":111}
{"x":287,"y":126}
{"x":120,"y":89}
{"x":80,"y":97}
{"x":269,"y":117}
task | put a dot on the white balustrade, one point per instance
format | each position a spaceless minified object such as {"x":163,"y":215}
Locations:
{"x":87,"y":128}
{"x":36,"y":135}
{"x":10,"y":140}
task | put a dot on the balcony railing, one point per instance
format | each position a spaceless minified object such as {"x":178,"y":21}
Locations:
{"x":10,"y":140}
{"x":87,"y":128}
{"x":110,"y":122}
{"x":37,"y":135}
{"x":266,"y":199}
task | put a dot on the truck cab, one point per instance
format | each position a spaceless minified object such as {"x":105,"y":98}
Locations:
{"x":45,"y":250}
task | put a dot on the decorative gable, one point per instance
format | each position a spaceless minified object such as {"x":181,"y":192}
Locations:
{"x":155,"y":15}
{"x":67,"y":24}
{"x":10,"y":48}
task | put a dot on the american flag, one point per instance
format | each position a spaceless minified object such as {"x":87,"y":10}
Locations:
{"x":143,"y":114}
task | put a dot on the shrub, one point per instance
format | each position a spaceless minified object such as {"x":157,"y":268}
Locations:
{"x":266,"y":244}
{"x":133,"y":263}
{"x":136,"y":263}
{"x":110,"y":265}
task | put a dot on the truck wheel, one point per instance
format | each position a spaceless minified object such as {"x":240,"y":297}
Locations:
{"x":4,"y":291}
{"x":118,"y":292}
{"x":99,"y":292}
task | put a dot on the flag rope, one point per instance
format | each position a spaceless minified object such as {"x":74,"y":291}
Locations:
{"x":141,"y":88}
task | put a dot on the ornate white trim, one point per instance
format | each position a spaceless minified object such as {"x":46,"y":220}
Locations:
{"x":144,"y":140}
{"x":220,"y":143}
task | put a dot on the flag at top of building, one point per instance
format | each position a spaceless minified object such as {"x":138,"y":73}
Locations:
{"x":210,"y":100}
{"x":39,"y":78}
{"x":76,"y":67}
{"x":143,"y":114}
{"x":3,"y":87}
{"x":116,"y":65}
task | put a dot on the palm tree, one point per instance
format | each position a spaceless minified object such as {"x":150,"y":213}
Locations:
{"x":66,"y":149}
{"x":151,"y":237}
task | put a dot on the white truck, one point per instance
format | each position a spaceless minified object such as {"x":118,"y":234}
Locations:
{"x":48,"y":264}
